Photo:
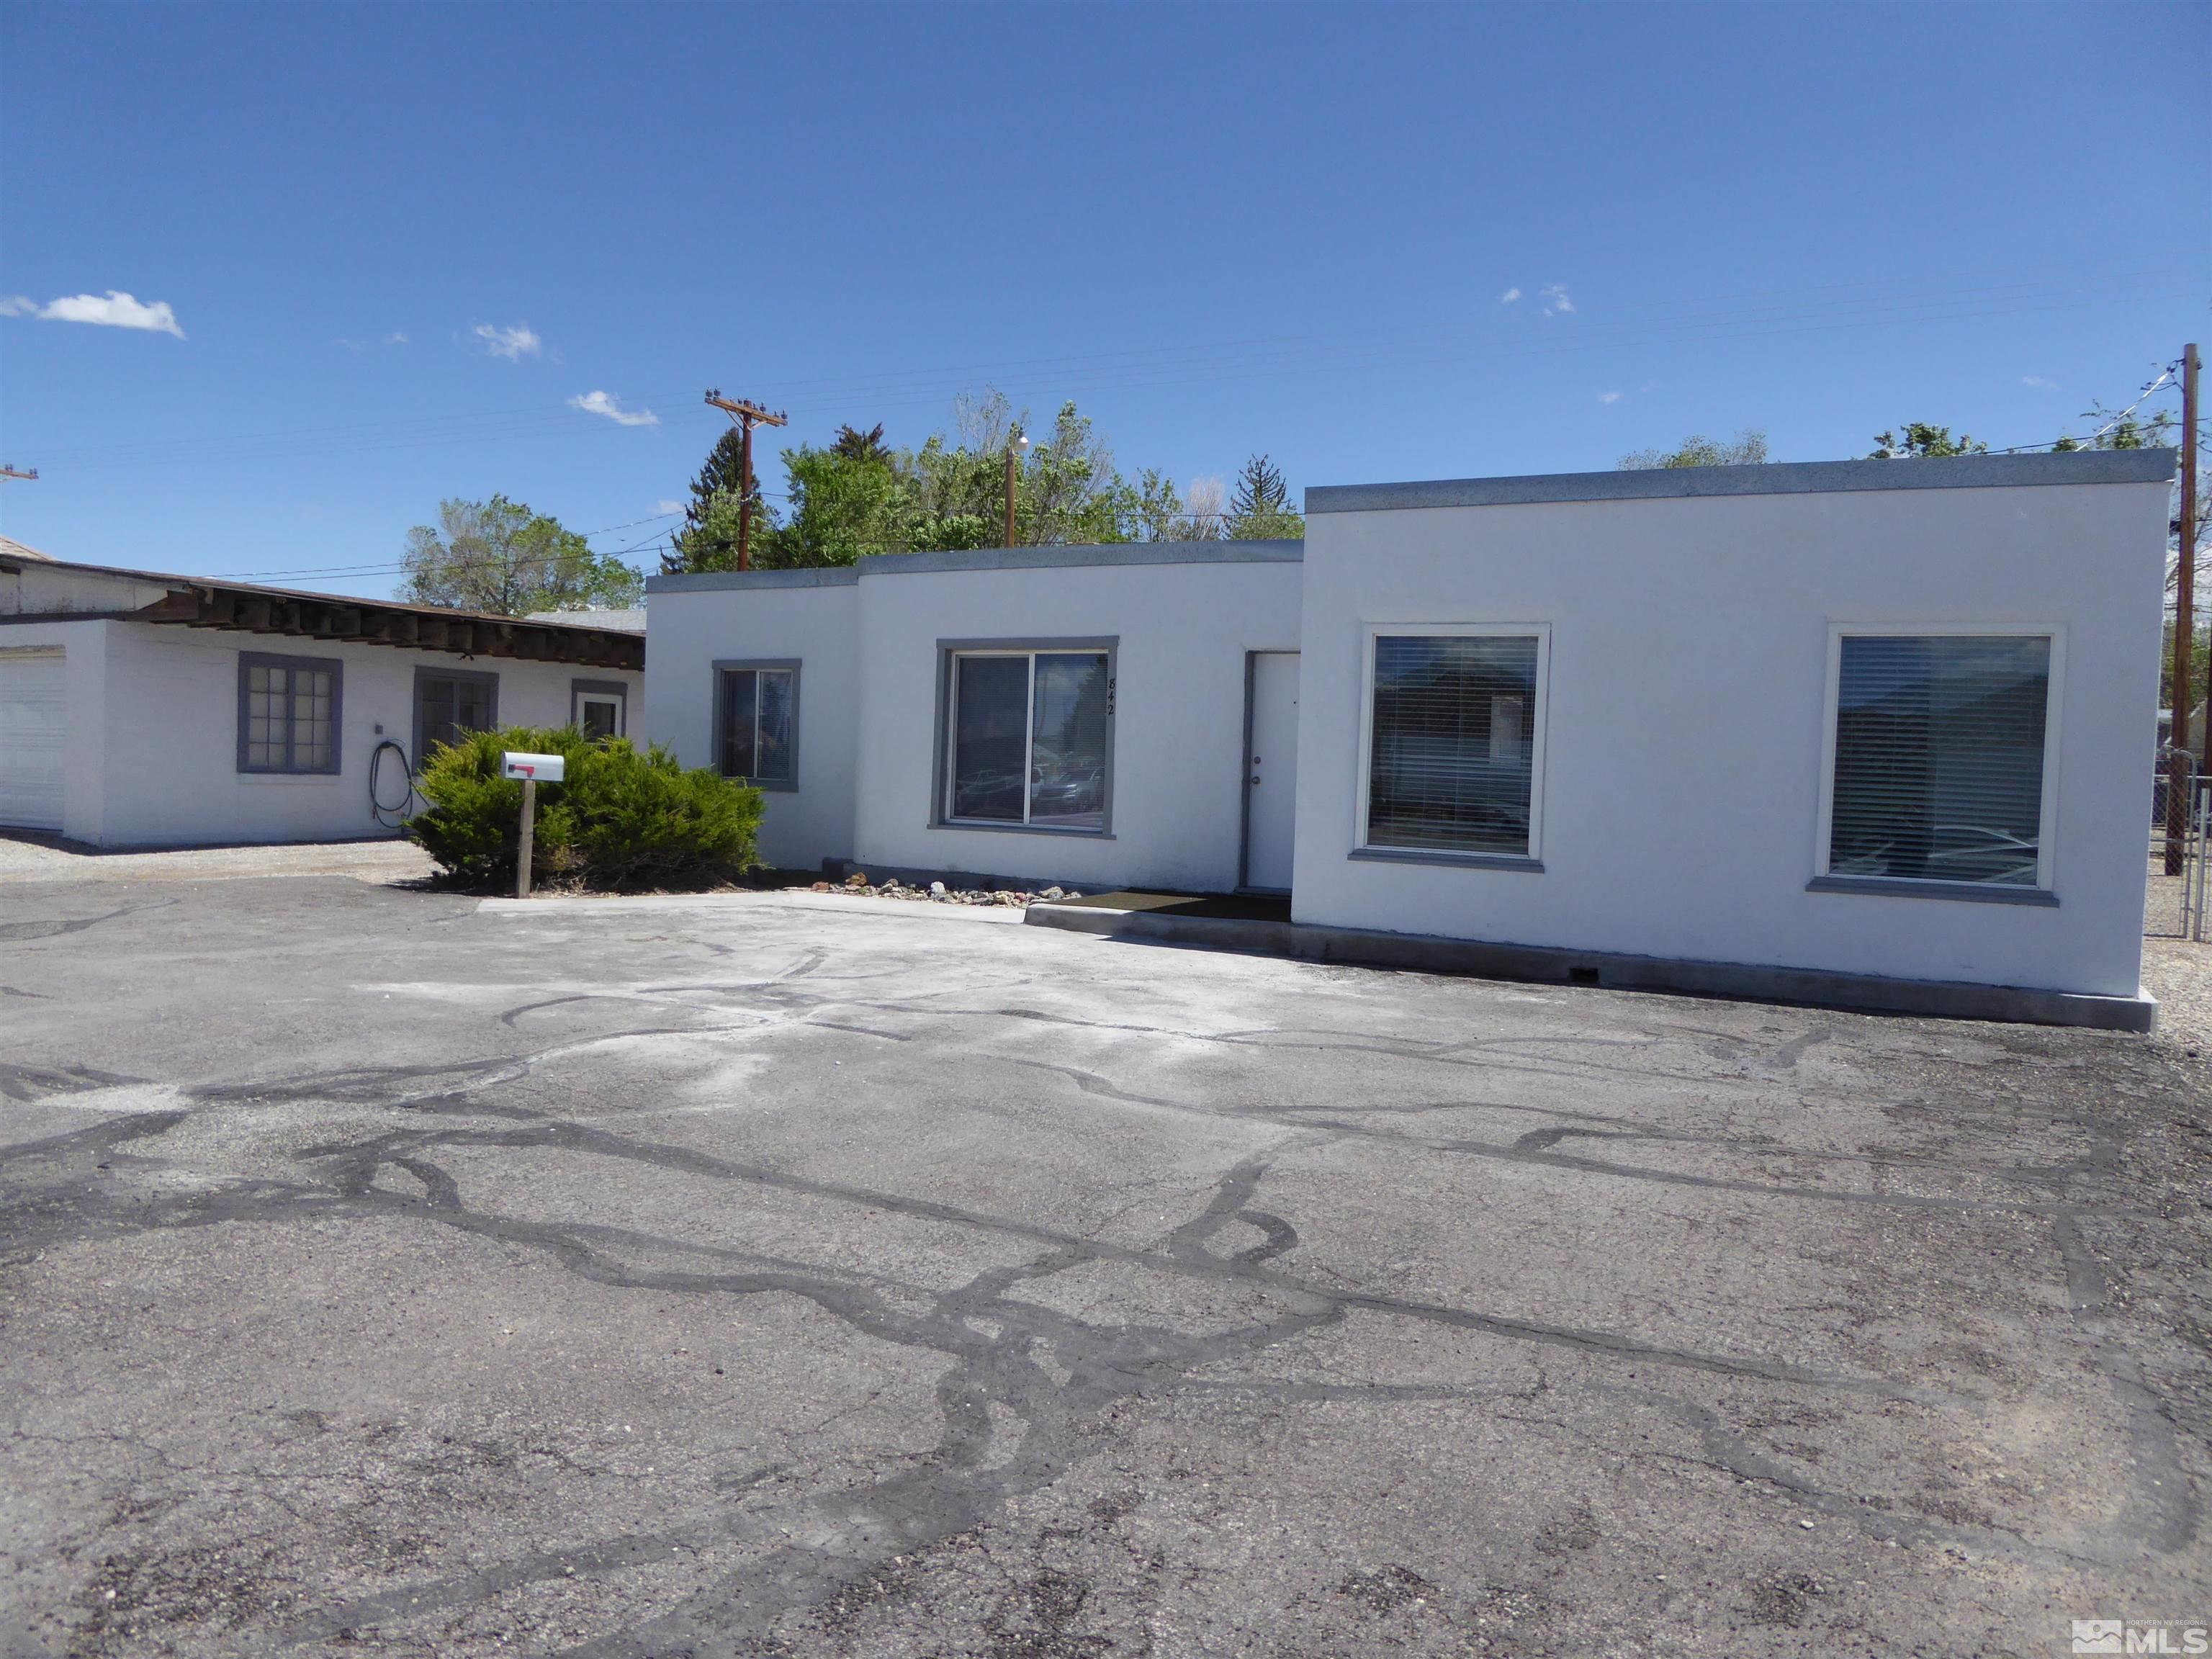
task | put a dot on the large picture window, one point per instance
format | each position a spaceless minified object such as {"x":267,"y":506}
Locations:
{"x":756,"y":722}
{"x":288,"y":713}
{"x":1454,"y":744}
{"x":1939,"y":763}
{"x":1030,"y":737}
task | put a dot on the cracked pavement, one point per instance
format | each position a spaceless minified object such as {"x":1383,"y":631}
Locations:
{"x":381,"y":1271}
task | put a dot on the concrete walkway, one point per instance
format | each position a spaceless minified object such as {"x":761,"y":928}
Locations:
{"x":28,"y":859}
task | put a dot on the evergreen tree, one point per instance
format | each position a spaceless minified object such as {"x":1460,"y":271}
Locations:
{"x":708,"y":540}
{"x":855,"y":445}
{"x":1260,"y":509}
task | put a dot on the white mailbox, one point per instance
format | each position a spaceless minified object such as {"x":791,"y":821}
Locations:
{"x":532,"y":768}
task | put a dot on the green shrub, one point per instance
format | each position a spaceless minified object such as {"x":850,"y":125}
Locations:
{"x":622,"y":818}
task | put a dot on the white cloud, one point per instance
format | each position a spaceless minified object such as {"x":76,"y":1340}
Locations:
{"x":395,"y":339}
{"x":662,"y":509}
{"x":1609,"y":396}
{"x":1509,"y":296}
{"x":1556,"y":299}
{"x":512,"y":343}
{"x":2037,"y":380}
{"x":601,"y":403}
{"x":116,"y":310}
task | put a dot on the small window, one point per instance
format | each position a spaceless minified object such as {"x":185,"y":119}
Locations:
{"x":757,"y":722}
{"x":288,"y":713}
{"x":598,"y":708}
{"x":1453,"y":746}
{"x":1940,"y":758}
{"x":450,"y":703}
{"x":1031,"y":739}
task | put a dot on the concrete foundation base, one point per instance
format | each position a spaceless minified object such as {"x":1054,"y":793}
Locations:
{"x":1749,"y":981}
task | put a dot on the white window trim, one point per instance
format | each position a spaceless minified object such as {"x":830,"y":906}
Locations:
{"x":2046,"y":838}
{"x":612,"y":691}
{"x":1541,"y":631}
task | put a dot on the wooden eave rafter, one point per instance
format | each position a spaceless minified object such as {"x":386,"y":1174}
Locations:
{"x":422,"y":627}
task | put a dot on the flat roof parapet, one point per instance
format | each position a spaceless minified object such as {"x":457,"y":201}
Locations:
{"x":2086,"y":466}
{"x":1081,"y":554}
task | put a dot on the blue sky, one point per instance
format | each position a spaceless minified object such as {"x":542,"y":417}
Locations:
{"x":398,"y":245}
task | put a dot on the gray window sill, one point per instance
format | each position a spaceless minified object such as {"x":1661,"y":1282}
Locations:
{"x":1519,"y":861}
{"x":1021,"y":829}
{"x":1973,"y":892}
{"x":273,"y":775}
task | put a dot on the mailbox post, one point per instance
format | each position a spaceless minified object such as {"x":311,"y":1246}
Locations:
{"x":530,"y":769}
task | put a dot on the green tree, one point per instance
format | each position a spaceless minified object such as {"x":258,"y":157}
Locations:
{"x":844,"y":501}
{"x":499,"y":556}
{"x":708,"y":539}
{"x":2124,"y":431}
{"x":1067,"y":488}
{"x":1261,"y":509}
{"x":1156,"y":512}
{"x":1924,"y":442}
{"x":1747,"y":449}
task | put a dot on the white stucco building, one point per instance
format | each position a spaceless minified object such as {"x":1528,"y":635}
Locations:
{"x":139,"y":709}
{"x":1884,"y":721}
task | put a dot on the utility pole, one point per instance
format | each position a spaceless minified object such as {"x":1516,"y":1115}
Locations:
{"x":1015,"y":441}
{"x":2178,"y":790}
{"x":2189,"y":501}
{"x":747,"y":416}
{"x":10,"y":473}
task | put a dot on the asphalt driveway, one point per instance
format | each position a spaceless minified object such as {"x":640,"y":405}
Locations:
{"x":793,"y":1275}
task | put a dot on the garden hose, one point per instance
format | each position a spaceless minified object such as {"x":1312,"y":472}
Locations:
{"x":392,"y":817}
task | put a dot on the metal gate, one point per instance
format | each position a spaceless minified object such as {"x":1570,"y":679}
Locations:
{"x":2180,"y":847}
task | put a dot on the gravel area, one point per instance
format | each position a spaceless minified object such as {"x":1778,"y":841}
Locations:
{"x":937,"y":892}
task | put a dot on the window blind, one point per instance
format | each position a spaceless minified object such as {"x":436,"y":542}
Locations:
{"x":1452,"y":754}
{"x":1939,"y":757}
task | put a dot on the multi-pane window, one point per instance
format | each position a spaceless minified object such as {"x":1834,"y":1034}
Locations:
{"x":450,"y":703}
{"x":1029,"y":736}
{"x":756,"y":717}
{"x":1939,"y":757}
{"x":1453,"y":744}
{"x":288,"y":713}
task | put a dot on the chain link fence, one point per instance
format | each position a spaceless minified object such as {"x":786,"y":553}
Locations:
{"x":2180,"y":850}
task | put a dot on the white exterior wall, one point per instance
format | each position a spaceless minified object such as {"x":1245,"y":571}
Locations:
{"x":1687,"y":683}
{"x":152,"y":723}
{"x":693,"y":626}
{"x":1183,"y":628}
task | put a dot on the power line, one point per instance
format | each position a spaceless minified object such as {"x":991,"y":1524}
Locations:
{"x":1716,"y":317}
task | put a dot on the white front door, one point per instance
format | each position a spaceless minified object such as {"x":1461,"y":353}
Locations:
{"x":34,"y":709}
{"x":1271,"y":771}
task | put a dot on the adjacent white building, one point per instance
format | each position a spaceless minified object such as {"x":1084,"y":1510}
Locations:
{"x":1890,"y":720}
{"x":143,"y":709}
